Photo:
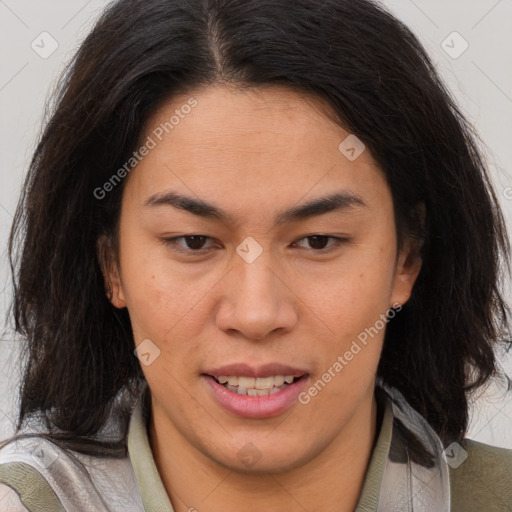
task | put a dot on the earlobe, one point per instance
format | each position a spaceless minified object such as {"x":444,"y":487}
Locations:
{"x":110,"y":272}
{"x":410,"y":260}
{"x":407,"y":271}
{"x":115,"y":293}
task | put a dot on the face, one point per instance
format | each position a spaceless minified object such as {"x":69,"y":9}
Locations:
{"x":256,"y":285}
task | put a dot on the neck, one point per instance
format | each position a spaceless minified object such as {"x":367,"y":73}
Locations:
{"x":330,"y":481}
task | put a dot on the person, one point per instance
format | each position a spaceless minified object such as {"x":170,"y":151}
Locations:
{"x":257,"y":265}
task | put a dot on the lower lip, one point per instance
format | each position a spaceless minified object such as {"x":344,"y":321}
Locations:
{"x":257,"y":406}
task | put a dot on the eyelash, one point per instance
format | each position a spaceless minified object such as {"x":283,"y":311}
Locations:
{"x":172,"y":243}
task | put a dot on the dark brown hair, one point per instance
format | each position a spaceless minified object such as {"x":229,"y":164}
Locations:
{"x":381,"y":86}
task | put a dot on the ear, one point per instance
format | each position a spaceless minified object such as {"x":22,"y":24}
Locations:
{"x":110,"y":271}
{"x":409,"y":263}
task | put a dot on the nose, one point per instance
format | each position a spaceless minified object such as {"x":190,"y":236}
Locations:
{"x":257,"y":301}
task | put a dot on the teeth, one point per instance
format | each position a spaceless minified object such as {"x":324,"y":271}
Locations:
{"x":254,"y":392}
{"x":269,"y":382}
{"x":250,"y":386}
{"x":246,"y":382}
{"x":260,"y":384}
{"x":257,"y":392}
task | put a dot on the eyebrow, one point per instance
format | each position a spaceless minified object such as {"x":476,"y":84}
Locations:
{"x":342,"y":200}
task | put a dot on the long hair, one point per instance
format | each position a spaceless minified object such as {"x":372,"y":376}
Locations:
{"x":379,"y":84}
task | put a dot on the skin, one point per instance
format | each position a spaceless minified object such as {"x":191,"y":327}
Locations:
{"x":256,"y":153}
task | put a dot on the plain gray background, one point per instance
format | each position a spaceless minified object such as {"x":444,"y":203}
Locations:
{"x":468,"y":40}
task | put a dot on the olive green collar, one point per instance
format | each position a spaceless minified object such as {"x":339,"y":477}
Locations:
{"x":370,"y":492}
{"x":152,"y":490}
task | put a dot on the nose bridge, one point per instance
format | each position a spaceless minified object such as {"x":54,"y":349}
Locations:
{"x":255,"y":281}
{"x":258,"y":302}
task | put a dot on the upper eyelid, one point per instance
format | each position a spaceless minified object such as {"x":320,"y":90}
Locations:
{"x":171,"y":238}
{"x":337,"y":240}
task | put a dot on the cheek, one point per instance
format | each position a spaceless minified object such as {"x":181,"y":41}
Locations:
{"x":153,"y":294}
{"x":354,"y":306}
{"x":167,"y":303}
{"x":351,"y":297}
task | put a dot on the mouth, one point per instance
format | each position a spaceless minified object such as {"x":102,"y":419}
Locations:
{"x":256,"y":394}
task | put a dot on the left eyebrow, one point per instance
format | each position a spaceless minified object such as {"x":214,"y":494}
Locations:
{"x":342,"y":200}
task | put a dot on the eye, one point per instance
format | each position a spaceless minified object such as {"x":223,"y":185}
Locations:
{"x":195,"y":243}
{"x":318,"y":242}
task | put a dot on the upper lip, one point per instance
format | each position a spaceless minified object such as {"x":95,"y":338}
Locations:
{"x":245,"y":370}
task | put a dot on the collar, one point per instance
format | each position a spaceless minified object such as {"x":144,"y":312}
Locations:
{"x":152,"y":490}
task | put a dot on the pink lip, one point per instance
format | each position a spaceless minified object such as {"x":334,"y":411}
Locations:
{"x":256,"y":407}
{"x":266,"y":370}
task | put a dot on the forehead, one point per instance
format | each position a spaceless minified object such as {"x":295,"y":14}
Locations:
{"x":271,"y":143}
{"x":273,"y":120}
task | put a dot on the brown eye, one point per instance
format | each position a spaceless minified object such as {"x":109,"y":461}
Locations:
{"x":318,"y":242}
{"x":193,"y":243}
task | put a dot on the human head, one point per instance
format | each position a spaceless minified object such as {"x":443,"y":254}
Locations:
{"x":140,"y":55}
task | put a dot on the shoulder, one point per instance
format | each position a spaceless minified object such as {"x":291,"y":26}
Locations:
{"x":480,"y":476}
{"x":23,"y":482}
{"x":46,"y":475}
{"x":10,"y":500}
